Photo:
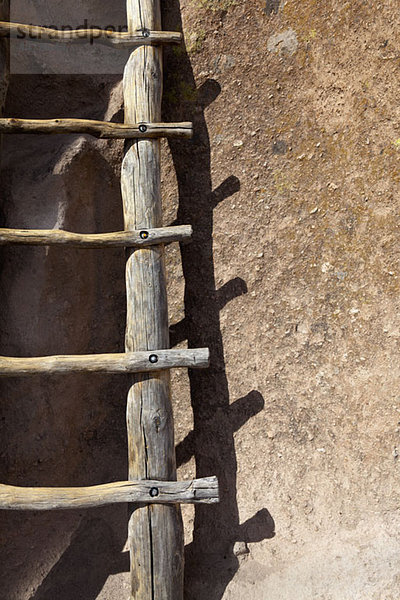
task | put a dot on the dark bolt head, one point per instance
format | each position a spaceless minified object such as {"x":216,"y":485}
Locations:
{"x":143,"y":128}
{"x":154,"y":492}
{"x":153,"y":358}
{"x":145,"y":32}
{"x":144,"y":235}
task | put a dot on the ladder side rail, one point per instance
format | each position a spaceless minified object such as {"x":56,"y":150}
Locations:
{"x":155,"y":532}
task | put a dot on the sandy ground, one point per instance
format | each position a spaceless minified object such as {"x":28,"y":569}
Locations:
{"x":292,"y":280}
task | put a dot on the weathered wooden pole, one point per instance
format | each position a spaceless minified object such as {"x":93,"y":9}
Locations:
{"x":101,"y":129}
{"x":116,"y":239}
{"x":129,"y":362}
{"x":102,"y":36}
{"x":197,"y":491}
{"x":155,"y":531}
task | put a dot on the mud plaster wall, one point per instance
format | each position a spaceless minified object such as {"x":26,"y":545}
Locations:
{"x":292,"y":280}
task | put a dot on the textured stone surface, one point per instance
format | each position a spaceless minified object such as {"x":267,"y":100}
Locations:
{"x":92,"y":58}
{"x":291,"y":184}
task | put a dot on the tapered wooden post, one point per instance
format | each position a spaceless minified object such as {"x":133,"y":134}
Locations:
{"x":155,"y":531}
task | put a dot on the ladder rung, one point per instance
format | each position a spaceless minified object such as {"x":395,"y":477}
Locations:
{"x":103,"y":36}
{"x":139,"y":238}
{"x":100,"y":129}
{"x":197,"y":491}
{"x":127,"y":362}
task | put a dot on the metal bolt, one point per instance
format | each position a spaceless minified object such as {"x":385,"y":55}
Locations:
{"x":154,"y":492}
{"x":153,"y":358}
{"x":145,"y":32}
{"x":143,"y":128}
{"x":144,"y":235}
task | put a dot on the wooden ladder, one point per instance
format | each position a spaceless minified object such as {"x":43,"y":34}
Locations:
{"x":155,"y":526}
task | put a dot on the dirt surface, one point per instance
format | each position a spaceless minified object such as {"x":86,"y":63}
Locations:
{"x":292,"y":280}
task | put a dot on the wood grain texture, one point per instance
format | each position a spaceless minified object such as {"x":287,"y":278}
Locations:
{"x":103,"y":36}
{"x":128,"y":362}
{"x":197,"y":491}
{"x":139,"y":239}
{"x":155,"y":532}
{"x":99,"y":129}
